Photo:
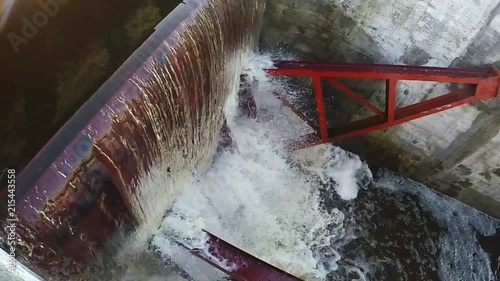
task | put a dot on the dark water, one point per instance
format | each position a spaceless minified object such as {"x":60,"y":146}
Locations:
{"x":402,"y":230}
{"x":48,"y":71}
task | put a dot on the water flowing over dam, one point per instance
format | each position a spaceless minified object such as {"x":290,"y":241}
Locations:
{"x":187,"y":147}
{"x":319,"y":214}
{"x":157,"y":119}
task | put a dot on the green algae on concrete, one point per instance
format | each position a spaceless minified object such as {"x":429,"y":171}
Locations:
{"x":144,"y":20}
{"x":78,"y":77}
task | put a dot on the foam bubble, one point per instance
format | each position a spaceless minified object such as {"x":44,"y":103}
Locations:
{"x":330,"y":163}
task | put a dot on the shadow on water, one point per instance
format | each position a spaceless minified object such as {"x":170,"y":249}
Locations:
{"x":400,"y":230}
{"x":491,"y":245}
{"x":54,"y":57}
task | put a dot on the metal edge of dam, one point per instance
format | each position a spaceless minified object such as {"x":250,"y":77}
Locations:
{"x":56,"y":192}
{"x":68,"y":136}
{"x":68,"y":155}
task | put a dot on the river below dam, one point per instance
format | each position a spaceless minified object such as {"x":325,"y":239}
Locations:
{"x":321,"y":213}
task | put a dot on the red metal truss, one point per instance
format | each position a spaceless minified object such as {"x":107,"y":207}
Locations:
{"x":482,"y":84}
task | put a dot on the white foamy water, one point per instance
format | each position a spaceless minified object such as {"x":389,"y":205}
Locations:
{"x":257,"y":200}
{"x":21,"y":272}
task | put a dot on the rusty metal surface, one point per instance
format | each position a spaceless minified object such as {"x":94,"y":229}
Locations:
{"x":72,"y":222}
{"x":246,"y":266}
{"x":382,"y":71}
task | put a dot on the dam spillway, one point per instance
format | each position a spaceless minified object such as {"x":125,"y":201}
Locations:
{"x":125,"y":127}
{"x":138,"y":146}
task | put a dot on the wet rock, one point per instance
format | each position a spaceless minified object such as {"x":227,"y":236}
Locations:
{"x":226,"y":141}
{"x":245,"y":97}
{"x":491,"y":245}
{"x":246,"y":106}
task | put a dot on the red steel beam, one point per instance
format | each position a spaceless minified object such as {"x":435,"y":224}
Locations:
{"x":245,"y":266}
{"x":390,"y":100}
{"x":484,"y":84}
{"x":320,"y":104}
{"x":382,"y":72}
{"x":453,"y":99}
{"x":374,"y":123}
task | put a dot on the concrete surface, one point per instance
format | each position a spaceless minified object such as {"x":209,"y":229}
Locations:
{"x":454,"y":151}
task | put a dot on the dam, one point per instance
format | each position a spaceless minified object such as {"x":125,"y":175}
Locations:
{"x":250,"y":140}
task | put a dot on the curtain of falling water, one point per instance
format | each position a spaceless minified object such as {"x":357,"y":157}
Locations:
{"x":172,"y":130}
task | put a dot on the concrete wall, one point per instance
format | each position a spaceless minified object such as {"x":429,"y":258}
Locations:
{"x":454,"y":151}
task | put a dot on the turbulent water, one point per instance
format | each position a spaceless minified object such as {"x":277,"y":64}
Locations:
{"x":257,"y":199}
{"x":302,"y":213}
{"x":319,"y":213}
